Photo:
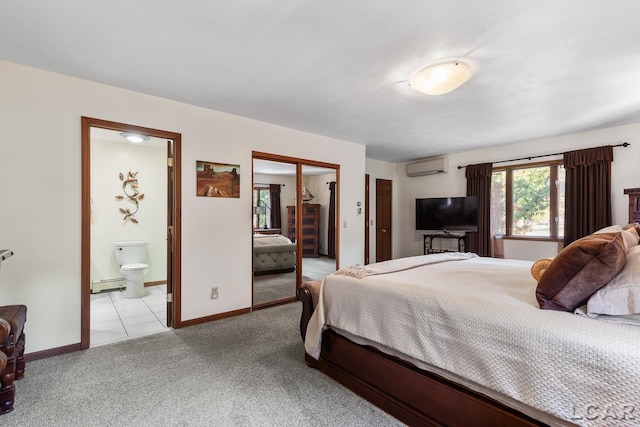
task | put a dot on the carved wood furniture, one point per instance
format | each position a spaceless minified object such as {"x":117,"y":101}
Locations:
{"x":5,"y":329}
{"x":12,"y":346}
{"x":429,"y":240}
{"x":310,"y":228}
{"x":634,"y":204}
{"x":414,"y":396}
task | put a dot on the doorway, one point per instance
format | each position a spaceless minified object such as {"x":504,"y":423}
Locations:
{"x":383,"y":219}
{"x":135,"y":206}
{"x":366,"y":220}
{"x":294,"y":225}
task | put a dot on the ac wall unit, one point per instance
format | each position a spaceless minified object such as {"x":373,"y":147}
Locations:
{"x":428,"y":166}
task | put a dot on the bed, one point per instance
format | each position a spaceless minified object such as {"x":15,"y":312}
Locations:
{"x":273,"y":253}
{"x":463,"y":341}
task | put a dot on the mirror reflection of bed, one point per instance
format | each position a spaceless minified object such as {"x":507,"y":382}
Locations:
{"x":275,"y":261}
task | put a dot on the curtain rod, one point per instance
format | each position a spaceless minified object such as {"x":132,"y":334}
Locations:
{"x":624,"y":144}
{"x":262,"y":183}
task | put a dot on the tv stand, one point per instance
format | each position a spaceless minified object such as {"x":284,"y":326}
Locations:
{"x":429,"y":247}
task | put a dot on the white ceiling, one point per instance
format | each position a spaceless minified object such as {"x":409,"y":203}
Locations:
{"x":339,"y":68}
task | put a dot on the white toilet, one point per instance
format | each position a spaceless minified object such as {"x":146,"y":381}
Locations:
{"x":131,"y":257}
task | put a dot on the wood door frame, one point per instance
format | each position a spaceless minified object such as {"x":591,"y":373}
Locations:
{"x":174,"y":217}
{"x":367,"y":229}
{"x":298,"y":162}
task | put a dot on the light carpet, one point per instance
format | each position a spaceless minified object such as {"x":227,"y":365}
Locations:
{"x":247,"y":370}
{"x":273,"y":287}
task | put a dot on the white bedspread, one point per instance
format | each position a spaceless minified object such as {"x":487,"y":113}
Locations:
{"x":479,"y":319}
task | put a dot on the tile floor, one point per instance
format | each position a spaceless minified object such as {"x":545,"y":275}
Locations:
{"x":116,"y":318}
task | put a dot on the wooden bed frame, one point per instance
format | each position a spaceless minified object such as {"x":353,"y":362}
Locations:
{"x":414,"y":396}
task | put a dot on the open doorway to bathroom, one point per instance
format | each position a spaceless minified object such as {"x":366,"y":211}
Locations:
{"x":130,"y":231}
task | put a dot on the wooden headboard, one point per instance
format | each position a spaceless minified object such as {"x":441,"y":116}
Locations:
{"x":634,"y":208}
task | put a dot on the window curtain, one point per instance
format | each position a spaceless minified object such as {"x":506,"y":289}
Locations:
{"x":587,"y":191}
{"x":331,"y":232}
{"x":274,"y":197}
{"x":479,"y":184}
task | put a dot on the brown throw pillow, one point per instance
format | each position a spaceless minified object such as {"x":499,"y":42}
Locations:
{"x":581,"y":269}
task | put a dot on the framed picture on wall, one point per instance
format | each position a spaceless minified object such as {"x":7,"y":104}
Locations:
{"x":217,"y":179}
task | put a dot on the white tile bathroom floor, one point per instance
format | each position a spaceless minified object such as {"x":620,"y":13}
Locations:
{"x":116,"y":318}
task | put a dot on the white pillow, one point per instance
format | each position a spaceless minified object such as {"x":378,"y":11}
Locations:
{"x":610,"y":229}
{"x":630,"y":239}
{"x":621,"y":296}
{"x":631,"y":319}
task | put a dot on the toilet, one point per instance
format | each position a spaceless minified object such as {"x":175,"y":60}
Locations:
{"x":131,"y":257}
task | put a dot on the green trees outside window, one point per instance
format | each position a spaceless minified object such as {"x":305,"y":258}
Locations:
{"x":528,"y":201}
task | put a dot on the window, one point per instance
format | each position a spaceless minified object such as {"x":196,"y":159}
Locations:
{"x":528,"y":201}
{"x":261,"y":207}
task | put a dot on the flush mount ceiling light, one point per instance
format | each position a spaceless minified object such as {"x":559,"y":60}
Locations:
{"x":134,"y":137}
{"x":440,"y":78}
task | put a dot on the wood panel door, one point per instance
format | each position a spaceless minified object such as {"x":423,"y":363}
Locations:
{"x":383,"y":219}
{"x":366,"y":219}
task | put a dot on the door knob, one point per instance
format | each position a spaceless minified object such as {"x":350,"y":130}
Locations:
{"x":383,"y":230}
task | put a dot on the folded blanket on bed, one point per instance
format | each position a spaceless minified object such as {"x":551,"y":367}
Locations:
{"x":400,"y":264}
{"x":272,"y":243}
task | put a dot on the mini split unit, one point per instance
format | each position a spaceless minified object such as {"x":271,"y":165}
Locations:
{"x":428,"y":166}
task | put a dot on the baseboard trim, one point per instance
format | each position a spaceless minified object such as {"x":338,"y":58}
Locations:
{"x":219,"y":316}
{"x":274,"y":303}
{"x":156,"y":283}
{"x":57,"y":351}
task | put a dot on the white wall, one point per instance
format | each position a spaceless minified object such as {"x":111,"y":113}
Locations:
{"x":108,"y":160}
{"x":41,"y":211}
{"x":453,"y":183}
{"x":528,"y":251}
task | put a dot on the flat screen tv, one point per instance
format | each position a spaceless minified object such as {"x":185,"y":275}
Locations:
{"x":447,"y":214}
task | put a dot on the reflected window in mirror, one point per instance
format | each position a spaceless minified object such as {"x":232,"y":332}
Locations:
{"x":261,"y":207}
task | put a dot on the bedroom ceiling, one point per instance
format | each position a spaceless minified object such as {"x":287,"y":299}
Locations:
{"x":339,"y":69}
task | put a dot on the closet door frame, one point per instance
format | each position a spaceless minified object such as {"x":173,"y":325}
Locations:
{"x":299,"y":162}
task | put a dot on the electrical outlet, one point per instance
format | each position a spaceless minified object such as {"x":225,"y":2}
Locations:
{"x":344,"y":224}
{"x":214,"y":293}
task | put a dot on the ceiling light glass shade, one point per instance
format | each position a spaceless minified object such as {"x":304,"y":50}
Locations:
{"x":134,"y":137}
{"x":441,"y":78}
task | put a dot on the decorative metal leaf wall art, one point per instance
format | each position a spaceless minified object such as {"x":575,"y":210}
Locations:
{"x":131,"y":194}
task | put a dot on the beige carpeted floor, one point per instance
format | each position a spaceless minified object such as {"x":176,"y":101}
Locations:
{"x":273,"y":287}
{"x":247,"y":370}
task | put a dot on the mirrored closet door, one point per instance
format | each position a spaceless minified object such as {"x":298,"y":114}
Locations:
{"x":274,"y":253}
{"x":318,"y":222}
{"x":294,"y":225}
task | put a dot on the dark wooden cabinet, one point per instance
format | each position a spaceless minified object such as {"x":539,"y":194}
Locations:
{"x":634,"y":206}
{"x":430,"y":239}
{"x":310,"y":228}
